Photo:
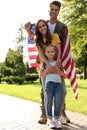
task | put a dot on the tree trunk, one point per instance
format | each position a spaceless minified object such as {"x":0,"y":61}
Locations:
{"x":85,"y":73}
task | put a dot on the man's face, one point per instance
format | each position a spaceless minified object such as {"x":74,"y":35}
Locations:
{"x":53,"y":11}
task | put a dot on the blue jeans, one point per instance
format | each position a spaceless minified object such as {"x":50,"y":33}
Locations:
{"x":64,"y":92}
{"x":53,"y":90}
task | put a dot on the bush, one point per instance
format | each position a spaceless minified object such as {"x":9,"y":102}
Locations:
{"x":81,"y":77}
{"x":17,"y":79}
{"x":7,"y":80}
{"x":13,"y":79}
{"x":31,"y":77}
{"x":20,"y":80}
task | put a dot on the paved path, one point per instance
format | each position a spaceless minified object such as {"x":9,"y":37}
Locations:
{"x":19,"y":114}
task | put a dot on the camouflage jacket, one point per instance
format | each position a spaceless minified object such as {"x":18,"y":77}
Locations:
{"x":60,"y":29}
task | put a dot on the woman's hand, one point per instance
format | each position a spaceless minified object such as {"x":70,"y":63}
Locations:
{"x":50,"y":68}
{"x":28,"y":29}
{"x":27,"y":26}
{"x":58,"y":71}
{"x":59,"y":63}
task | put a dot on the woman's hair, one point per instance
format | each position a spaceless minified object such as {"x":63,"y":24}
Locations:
{"x":55,"y":48}
{"x":39,"y":38}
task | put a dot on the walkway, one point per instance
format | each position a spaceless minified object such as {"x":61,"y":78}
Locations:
{"x":19,"y":114}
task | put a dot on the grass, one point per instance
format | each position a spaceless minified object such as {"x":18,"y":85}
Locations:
{"x":26,"y":91}
{"x":79,"y":105}
{"x":32,"y":92}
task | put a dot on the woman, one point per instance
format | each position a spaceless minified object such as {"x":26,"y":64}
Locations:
{"x":42,"y":38}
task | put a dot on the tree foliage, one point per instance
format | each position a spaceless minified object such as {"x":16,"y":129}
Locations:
{"x":14,"y":64}
{"x":20,"y":39}
{"x":74,"y":14}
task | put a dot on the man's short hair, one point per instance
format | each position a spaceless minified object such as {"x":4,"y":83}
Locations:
{"x":57,"y":3}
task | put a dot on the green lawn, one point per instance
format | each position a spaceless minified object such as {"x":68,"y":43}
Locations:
{"x":79,"y":105}
{"x":32,"y":92}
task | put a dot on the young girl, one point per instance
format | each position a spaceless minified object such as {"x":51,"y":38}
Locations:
{"x":53,"y":86}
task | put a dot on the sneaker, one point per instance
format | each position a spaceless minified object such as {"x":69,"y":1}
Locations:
{"x":57,"y":124}
{"x":62,"y":120}
{"x":51,"y":123}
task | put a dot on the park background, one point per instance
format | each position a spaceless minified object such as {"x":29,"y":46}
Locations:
{"x":17,"y":81}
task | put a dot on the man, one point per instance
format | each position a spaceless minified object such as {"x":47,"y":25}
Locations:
{"x":58,"y":27}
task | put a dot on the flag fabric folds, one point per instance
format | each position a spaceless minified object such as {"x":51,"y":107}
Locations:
{"x":32,"y":52}
{"x":68,"y":64}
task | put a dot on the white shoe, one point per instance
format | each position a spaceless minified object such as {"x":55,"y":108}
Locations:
{"x":62,"y":120}
{"x":57,"y":124}
{"x":51,"y":123}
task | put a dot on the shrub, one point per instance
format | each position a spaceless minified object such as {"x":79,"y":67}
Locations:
{"x":13,"y":79}
{"x":17,"y":79}
{"x":31,"y":77}
{"x":7,"y":80}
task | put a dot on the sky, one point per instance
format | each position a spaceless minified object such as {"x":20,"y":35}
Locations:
{"x":16,"y":12}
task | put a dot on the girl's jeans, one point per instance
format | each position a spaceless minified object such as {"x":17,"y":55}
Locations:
{"x":53,"y":90}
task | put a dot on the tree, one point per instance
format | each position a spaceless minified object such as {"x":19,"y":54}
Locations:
{"x":20,"y":39}
{"x":14,"y":64}
{"x":30,"y":70}
{"x":74,"y":13}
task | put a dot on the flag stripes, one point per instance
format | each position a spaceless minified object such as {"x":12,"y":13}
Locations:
{"x":32,"y":54}
{"x":68,"y":64}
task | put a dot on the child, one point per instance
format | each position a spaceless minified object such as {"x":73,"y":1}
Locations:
{"x":53,"y":86}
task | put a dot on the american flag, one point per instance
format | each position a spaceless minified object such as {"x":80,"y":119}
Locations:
{"x":68,"y":64}
{"x":67,"y":60}
{"x":32,"y":52}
